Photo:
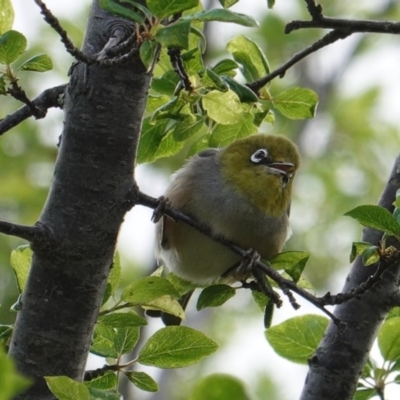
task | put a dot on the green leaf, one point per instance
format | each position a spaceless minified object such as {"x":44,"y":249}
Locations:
{"x":394,"y":312}
{"x":222,"y":15}
{"x":180,"y":284}
{"x":115,"y":273}
{"x":200,"y":144}
{"x":5,"y":334}
{"x":211,"y":79}
{"x":215,"y":296}
{"x":12,"y":45}
{"x":176,"y":347}
{"x":65,"y":388}
{"x":3,"y":90}
{"x":223,"y":107}
{"x":115,"y":8}
{"x":166,"y":84}
{"x":150,"y":140}
{"x":260,"y":299}
{"x":103,"y":342}
{"x":296,"y":103}
{"x":370,"y":255}
{"x":389,"y":339}
{"x":296,"y":339}
{"x":140,"y":7}
{"x":222,"y":135}
{"x":126,"y":339}
{"x":168,"y":146}
{"x":364,"y":394}
{"x":357,"y":248}
{"x":165,"y":8}
{"x":107,"y":381}
{"x":375,"y":217}
{"x":271,"y":4}
{"x":148,"y":289}
{"x":226,"y":67}
{"x":220,"y":387}
{"x":167,"y":304}
{"x":249,"y":55}
{"x":142,"y":381}
{"x":292,"y":262}
{"x":20,"y":260}
{"x":11,"y":382}
{"x":246,"y":95}
{"x":147,"y":53}
{"x":6,"y":16}
{"x":98,"y":394}
{"x":268,"y":314}
{"x":175,"y":35}
{"x":122,"y":320}
{"x":228,"y":3}
{"x":41,"y":63}
{"x":183,"y":131}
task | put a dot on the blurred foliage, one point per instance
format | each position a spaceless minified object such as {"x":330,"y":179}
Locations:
{"x":348,"y":151}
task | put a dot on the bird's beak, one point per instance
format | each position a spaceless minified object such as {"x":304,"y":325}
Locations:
{"x":284,"y":167}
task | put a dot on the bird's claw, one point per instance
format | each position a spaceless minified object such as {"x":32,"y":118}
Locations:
{"x":160,"y":209}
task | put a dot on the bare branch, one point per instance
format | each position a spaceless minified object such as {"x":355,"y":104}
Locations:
{"x":29,"y":233}
{"x":350,"y":25}
{"x":314,"y":9}
{"x":18,"y":93}
{"x":328,"y":39}
{"x":340,"y":358}
{"x":55,"y":24}
{"x":48,"y":99}
{"x":285,"y":285}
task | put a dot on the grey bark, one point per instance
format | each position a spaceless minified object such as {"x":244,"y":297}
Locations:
{"x":339,"y":360}
{"x":89,"y":195}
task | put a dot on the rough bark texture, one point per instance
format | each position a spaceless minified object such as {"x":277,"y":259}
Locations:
{"x":87,"y":201}
{"x":339,"y":360}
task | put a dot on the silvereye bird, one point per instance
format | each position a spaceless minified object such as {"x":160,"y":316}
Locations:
{"x":243,"y":193}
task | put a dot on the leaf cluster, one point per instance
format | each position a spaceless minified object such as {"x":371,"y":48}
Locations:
{"x":13,"y":45}
{"x":209,"y":105}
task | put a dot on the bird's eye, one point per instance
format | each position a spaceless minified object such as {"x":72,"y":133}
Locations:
{"x":259,"y":155}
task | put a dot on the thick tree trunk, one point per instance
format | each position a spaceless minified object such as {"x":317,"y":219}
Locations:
{"x":90,"y":193}
{"x":340,"y":358}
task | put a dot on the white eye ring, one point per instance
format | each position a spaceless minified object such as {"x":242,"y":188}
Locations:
{"x":259,"y":155}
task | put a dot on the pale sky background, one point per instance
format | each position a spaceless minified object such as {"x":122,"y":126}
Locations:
{"x":249,"y":351}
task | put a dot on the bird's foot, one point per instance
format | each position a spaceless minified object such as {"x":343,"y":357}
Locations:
{"x":242,"y":270}
{"x":160,"y":209}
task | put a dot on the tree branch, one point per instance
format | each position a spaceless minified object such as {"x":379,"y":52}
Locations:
{"x":328,"y":39}
{"x":349,"y":25}
{"x":29,"y":233}
{"x":287,"y":286}
{"x":55,"y":24}
{"x":337,"y":364}
{"x":49,"y":98}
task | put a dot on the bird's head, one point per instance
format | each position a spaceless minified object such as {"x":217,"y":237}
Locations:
{"x":261,"y":168}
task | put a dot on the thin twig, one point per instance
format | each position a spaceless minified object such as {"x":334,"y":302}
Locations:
{"x":47,"y":99}
{"x":96,"y":373}
{"x":55,"y":24}
{"x":328,"y":39}
{"x":179,"y":68}
{"x":350,"y":25}
{"x":314,"y":9}
{"x":29,"y":233}
{"x":18,"y":93}
{"x":285,"y":284}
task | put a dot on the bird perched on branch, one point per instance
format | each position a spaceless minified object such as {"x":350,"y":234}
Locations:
{"x":241,"y":192}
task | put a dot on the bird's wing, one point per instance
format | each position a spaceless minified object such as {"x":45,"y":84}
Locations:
{"x":207,"y":153}
{"x":165,"y":226}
